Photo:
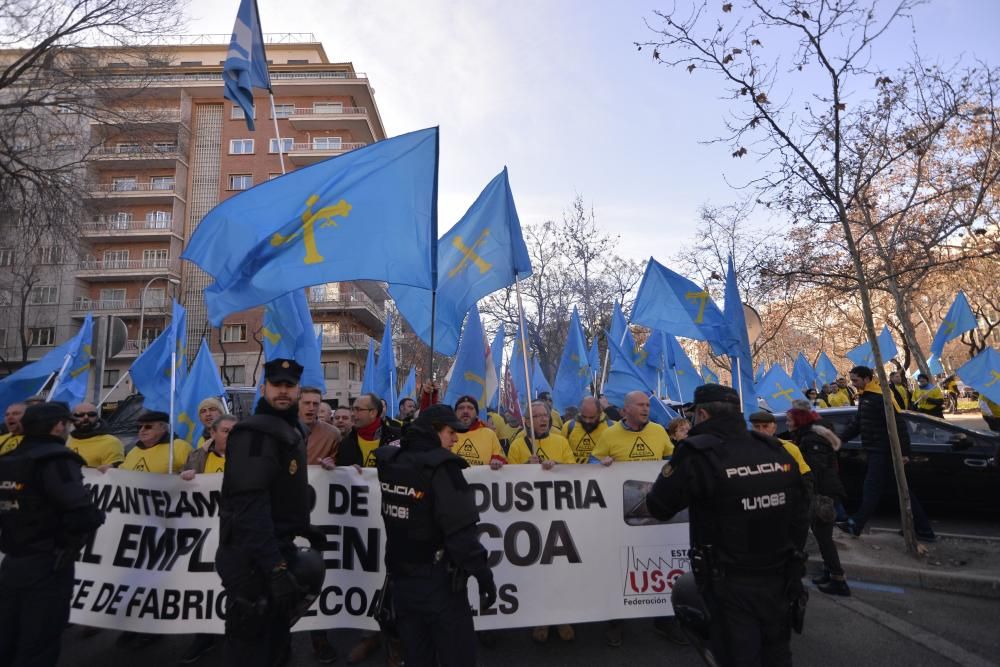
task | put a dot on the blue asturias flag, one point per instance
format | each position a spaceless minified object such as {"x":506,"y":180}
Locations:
{"x":368,"y":379}
{"x":826,"y":372}
{"x":982,"y":373}
{"x":385,"y":371}
{"x":28,"y":380}
{"x":670,"y":302}
{"x":862,"y":355}
{"x":594,"y":356}
{"x":203,"y":381}
{"x":151,"y":370}
{"x":777,"y":389}
{"x":709,"y":376}
{"x":539,"y":383}
{"x":624,"y":378}
{"x":496,"y":354}
{"x":957,"y":321}
{"x":573,"y":376}
{"x":620,"y":330}
{"x":469,"y":375}
{"x":738,"y":347}
{"x":516,"y":367}
{"x":71,"y":384}
{"x":288,"y":333}
{"x":680,"y":372}
{"x":245,"y":67}
{"x":409,"y":389}
{"x":368,"y":214}
{"x":482,"y":253}
{"x":803,"y":373}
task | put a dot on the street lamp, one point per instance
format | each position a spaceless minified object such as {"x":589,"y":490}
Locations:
{"x":142,"y":302}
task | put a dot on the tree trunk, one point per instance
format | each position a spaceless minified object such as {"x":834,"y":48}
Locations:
{"x":906,"y":324}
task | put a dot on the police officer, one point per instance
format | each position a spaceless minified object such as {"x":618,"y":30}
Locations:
{"x":749,"y":512}
{"x":46,"y":516}
{"x":265,"y":503}
{"x":431,"y":543}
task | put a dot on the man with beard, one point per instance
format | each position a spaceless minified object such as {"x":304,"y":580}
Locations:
{"x":479,"y":444}
{"x":90,"y":439}
{"x":586,"y":429}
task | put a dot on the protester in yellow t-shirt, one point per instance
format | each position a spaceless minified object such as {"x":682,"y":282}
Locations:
{"x":549,"y":447}
{"x":152,"y":452}
{"x":500,"y":426}
{"x":479,"y":445}
{"x":98,"y":448}
{"x":634,"y":438}
{"x":836,"y":398}
{"x":12,"y":420}
{"x":212,"y":457}
{"x":586,"y":429}
{"x":764,"y":422}
{"x":555,"y":419}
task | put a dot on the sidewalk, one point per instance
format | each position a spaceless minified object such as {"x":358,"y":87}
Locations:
{"x":952,"y":564}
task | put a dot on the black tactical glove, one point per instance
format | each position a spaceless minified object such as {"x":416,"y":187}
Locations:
{"x":487,"y":589}
{"x":284,"y":590}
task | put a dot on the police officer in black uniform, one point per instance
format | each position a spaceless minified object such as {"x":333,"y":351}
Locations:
{"x":749,"y":513}
{"x":265,"y":503}
{"x":432,"y":547}
{"x":46,"y":516}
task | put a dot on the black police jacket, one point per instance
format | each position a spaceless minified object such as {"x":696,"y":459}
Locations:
{"x":747,"y":499}
{"x":349,"y":451}
{"x":44,"y":506}
{"x":869,"y":422}
{"x":265,"y":491}
{"x":427,"y":507}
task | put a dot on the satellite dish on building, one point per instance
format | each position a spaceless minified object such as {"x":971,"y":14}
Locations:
{"x":117,"y":336}
{"x":754,"y":325}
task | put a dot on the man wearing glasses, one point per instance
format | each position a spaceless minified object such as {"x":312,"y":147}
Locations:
{"x":152,"y":451}
{"x":369,"y":433}
{"x":90,"y":439}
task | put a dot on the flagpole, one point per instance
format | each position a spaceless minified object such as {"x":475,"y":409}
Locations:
{"x":277,"y":134}
{"x":739,"y":380}
{"x":112,"y":390}
{"x":524,"y":357}
{"x":680,"y":392}
{"x":55,"y":385}
{"x":430,"y":365}
{"x":45,"y":382}
{"x":173,"y":390}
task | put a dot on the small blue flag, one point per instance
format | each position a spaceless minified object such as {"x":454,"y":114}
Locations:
{"x":982,"y":373}
{"x":203,"y":381}
{"x":496,"y":354}
{"x":409,"y":389}
{"x":482,"y":253}
{"x":957,"y":321}
{"x":620,"y":330}
{"x":654,"y":352}
{"x":470,"y":374}
{"x":826,"y":372}
{"x":778,"y":390}
{"x":516,"y":368}
{"x":151,"y":370}
{"x":367,"y":214}
{"x":29,"y":380}
{"x":624,"y":378}
{"x":245,"y":67}
{"x":595,"y":357}
{"x":933,"y":365}
{"x":681,"y":374}
{"x":803,"y":373}
{"x":738,"y":347}
{"x":709,"y":376}
{"x":670,"y":302}
{"x":539,"y":383}
{"x":862,"y":354}
{"x":368,"y":380}
{"x":385,"y":371}
{"x":573,"y":376}
{"x":71,"y":384}
{"x":289,"y":333}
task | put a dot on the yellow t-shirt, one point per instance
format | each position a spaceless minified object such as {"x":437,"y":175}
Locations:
{"x":581,"y":442}
{"x":552,"y":447}
{"x":157,"y":458}
{"x":650,"y":444}
{"x":838,"y":399}
{"x":820,"y":403}
{"x":368,"y":448}
{"x":9,"y":442}
{"x":215,"y":463}
{"x":555,"y":419}
{"x":503,"y":430}
{"x":920,"y":397}
{"x":796,"y":454}
{"x":100,"y":450}
{"x":478,"y":447}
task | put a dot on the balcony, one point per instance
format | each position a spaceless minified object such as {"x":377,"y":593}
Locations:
{"x":357,"y":304}
{"x":120,"y":307}
{"x":141,"y":157}
{"x":139,"y":118}
{"x":119,"y":269}
{"x":354,"y":119}
{"x":303,"y":154}
{"x":130,"y":230}
{"x":134,"y":192}
{"x":346,"y":342}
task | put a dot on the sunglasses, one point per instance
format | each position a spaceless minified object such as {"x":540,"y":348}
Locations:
{"x":81,"y":415}
{"x":146,"y":427}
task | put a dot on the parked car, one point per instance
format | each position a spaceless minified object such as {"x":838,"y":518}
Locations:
{"x":950,"y":465}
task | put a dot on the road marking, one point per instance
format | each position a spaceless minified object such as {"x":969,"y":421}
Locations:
{"x":882,"y":588}
{"x":915,"y":634}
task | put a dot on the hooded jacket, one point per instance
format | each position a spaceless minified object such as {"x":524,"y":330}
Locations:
{"x":819,"y":446}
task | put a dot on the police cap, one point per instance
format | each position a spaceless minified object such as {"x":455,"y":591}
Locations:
{"x":439,"y":415}
{"x":715,"y":393}
{"x":762,"y":417}
{"x":39,"y":418}
{"x":151,"y":416}
{"x":283,"y":370}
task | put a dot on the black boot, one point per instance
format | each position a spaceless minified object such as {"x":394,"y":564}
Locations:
{"x":823,"y":579}
{"x":836,"y":587}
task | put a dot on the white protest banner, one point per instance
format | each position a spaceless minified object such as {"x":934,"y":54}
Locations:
{"x":568,"y":545}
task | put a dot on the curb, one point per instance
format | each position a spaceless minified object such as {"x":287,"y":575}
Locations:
{"x":974,"y":585}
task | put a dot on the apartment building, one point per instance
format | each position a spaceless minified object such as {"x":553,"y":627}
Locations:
{"x":155,"y":169}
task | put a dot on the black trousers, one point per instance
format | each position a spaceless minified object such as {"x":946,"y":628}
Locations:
{"x":434,"y":624}
{"x":256,"y":636}
{"x":34,"y":609}
{"x":823,"y":532}
{"x":750,"y":622}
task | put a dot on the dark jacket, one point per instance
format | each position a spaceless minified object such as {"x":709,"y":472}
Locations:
{"x":869,"y":422}
{"x":349,"y":453}
{"x":819,"y":447}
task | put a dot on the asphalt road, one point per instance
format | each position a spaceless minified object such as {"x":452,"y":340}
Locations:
{"x":879,"y":625}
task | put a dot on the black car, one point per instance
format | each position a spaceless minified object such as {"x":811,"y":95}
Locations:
{"x":950,"y":465}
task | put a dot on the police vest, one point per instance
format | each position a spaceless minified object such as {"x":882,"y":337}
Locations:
{"x":412,"y":536}
{"x":29,"y":522}
{"x":757,"y":493}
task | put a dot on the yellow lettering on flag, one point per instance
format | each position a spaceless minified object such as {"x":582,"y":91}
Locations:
{"x":325,"y":216}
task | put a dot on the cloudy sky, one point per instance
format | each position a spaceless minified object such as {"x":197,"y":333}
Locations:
{"x":556,"y":90}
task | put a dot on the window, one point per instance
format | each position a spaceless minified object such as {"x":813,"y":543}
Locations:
{"x":298,"y":62}
{"x":352,"y":371}
{"x":126,"y":184}
{"x":161,"y":183}
{"x":234,"y":374}
{"x":192,"y":63}
{"x":119,"y":220}
{"x":155,"y":259}
{"x":164,"y":147}
{"x":159,"y":219}
{"x":287,"y":143}
{"x":128,"y":148}
{"x":113,"y":296}
{"x":50,"y":254}
{"x":328,"y":107}
{"x":326,"y":143}
{"x":283,"y":110}
{"x":331,"y":370}
{"x":317,"y":293}
{"x":237,"y":112}
{"x":6,"y":256}
{"x":234,"y":333}
{"x":241,"y":146}
{"x":5,"y":299}
{"x":149,"y":334}
{"x":42,"y":336}
{"x":116,"y":259}
{"x":111,"y":377}
{"x":43,"y":295}
{"x":240,"y":181}
{"x":156,"y":298}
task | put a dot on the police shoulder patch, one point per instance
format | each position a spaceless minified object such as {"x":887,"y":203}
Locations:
{"x":293,"y":467}
{"x":667,"y":470}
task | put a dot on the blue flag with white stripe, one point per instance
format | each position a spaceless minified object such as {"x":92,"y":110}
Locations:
{"x":245,"y":67}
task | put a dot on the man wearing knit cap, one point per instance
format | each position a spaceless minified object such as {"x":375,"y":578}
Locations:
{"x":479,"y":445}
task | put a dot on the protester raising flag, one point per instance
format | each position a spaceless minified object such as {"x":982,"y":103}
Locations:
{"x":777,"y":389}
{"x":482,"y":253}
{"x":245,"y":67}
{"x":288,"y":333}
{"x":573,"y":376}
{"x":957,"y":321}
{"x":203,"y":381}
{"x":151,"y":371}
{"x":473,"y":373}
{"x":862,"y":355}
{"x":367,"y":214}
{"x":385,"y":371}
{"x":74,"y":376}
